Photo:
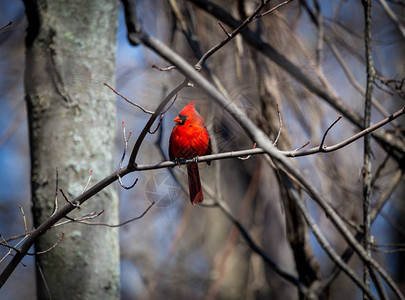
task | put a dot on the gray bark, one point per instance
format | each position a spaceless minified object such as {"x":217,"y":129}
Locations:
{"x":70,"y":53}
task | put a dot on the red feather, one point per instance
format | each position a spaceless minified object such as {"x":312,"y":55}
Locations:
{"x":189,"y":139}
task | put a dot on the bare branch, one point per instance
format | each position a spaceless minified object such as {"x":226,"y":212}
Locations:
{"x":129,"y":101}
{"x":367,"y":140}
{"x":256,"y":151}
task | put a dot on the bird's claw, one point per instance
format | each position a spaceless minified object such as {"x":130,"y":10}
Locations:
{"x":177,"y":161}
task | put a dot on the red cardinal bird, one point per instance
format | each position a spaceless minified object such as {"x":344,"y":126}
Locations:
{"x":189,"y":139}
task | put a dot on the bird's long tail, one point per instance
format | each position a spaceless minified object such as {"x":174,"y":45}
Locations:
{"x":194,"y":184}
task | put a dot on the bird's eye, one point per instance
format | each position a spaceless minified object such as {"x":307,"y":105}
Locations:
{"x":183,"y":118}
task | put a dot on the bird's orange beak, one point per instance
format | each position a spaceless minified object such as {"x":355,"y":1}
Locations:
{"x":177,"y":120}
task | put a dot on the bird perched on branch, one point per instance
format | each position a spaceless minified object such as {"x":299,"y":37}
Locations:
{"x":189,"y":139}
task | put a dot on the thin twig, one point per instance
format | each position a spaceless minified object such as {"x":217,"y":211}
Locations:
{"x":395,"y":85}
{"x":5,"y":26}
{"x":88,"y":216}
{"x":25,"y":220}
{"x":321,"y":146}
{"x":124,"y":136}
{"x":36,"y":253}
{"x":50,"y":248}
{"x":44,"y":281}
{"x":120,"y":224}
{"x":158,"y":125}
{"x":301,"y":147}
{"x":126,"y":139}
{"x":88,"y":182}
{"x":223,"y":28}
{"x":378,"y":284}
{"x":164,"y":69}
{"x":398,"y":248}
{"x":129,"y":101}
{"x":55,"y":200}
{"x":280,"y":121}
{"x":273,"y":9}
{"x":125,"y":186}
{"x":247,"y":156}
{"x":76,"y":205}
{"x":4,"y":243}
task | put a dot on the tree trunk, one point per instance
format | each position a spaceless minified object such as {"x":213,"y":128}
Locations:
{"x":70,"y":53}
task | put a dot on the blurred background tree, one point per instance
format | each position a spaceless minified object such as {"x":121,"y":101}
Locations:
{"x":179,"y":251}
